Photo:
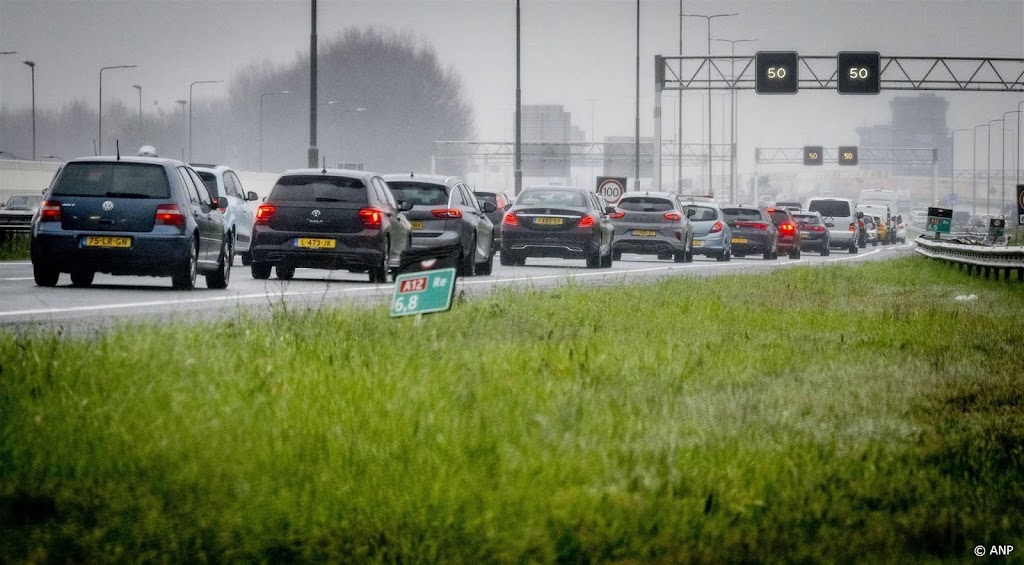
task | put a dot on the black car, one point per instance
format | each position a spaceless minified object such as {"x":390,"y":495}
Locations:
{"x":789,"y":235}
{"x":753,"y":231}
{"x":813,"y":232}
{"x":502,"y":202}
{"x":558,"y":221}
{"x":329,"y":219}
{"x":445,"y":212}
{"x":130,"y":216}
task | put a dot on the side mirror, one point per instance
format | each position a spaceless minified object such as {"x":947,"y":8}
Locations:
{"x":860,"y":214}
{"x":829,"y":225}
{"x":691,"y":213}
{"x":609,"y":210}
{"x":488,"y":207}
{"x":404,"y":205}
{"x":222,"y":202}
{"x":251,"y":196}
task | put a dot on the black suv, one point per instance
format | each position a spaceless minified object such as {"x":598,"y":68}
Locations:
{"x":130,"y":216}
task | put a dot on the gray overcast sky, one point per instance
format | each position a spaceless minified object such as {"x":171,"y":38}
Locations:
{"x":579,"y":53}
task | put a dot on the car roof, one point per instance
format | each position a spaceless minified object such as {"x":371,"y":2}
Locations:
{"x":667,"y":195}
{"x":436,"y":179}
{"x":205,"y":167}
{"x":351,"y":173}
{"x":128,"y":159}
{"x":553,"y":187}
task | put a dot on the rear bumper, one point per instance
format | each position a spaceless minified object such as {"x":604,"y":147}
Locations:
{"x":149,"y":254}
{"x":844,"y":238}
{"x":565,"y":246}
{"x":814,"y":241}
{"x":351,"y":251}
{"x":754,"y":243}
{"x":710,"y":245}
{"x":647,"y":245}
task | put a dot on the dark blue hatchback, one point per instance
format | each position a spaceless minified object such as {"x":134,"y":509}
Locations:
{"x":129,"y":216}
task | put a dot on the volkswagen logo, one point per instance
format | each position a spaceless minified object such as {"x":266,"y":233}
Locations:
{"x":315,"y":213}
{"x":108,"y":206}
{"x":547,"y":211}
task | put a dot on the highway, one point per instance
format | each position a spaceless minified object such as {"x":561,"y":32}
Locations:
{"x":119,"y":299}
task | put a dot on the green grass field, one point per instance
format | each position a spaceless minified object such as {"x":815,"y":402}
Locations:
{"x":848,"y":413}
{"x":14,"y":248}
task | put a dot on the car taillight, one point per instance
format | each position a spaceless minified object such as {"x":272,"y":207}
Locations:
{"x":761,"y":226}
{"x":787,"y":228}
{"x":49,"y":211}
{"x":586,"y":222}
{"x":617,"y":214}
{"x":816,"y":229}
{"x":673,"y":216}
{"x":853,"y":226}
{"x":264,"y":213}
{"x":169,"y":215}
{"x":756,"y":225}
{"x":510,"y":219}
{"x":373,"y":219}
{"x":447,"y":213}
{"x":716,"y":228}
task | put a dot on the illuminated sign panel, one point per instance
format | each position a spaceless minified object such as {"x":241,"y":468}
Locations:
{"x":813,"y":154}
{"x":776,"y":72}
{"x":848,"y":155}
{"x":858,"y":72}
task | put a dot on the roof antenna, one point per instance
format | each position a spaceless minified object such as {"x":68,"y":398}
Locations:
{"x":411,"y":174}
{"x":117,"y":143}
{"x":325,"y":165}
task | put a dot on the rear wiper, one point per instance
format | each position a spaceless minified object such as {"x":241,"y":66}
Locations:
{"x":328,"y":199}
{"x":126,"y":195}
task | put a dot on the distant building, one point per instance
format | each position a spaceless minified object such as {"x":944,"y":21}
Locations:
{"x":917,"y":122}
{"x":547,"y":129}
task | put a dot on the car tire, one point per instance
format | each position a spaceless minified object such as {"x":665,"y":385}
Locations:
{"x":260,"y":271}
{"x":853,"y":249}
{"x":45,"y":275}
{"x":862,"y":245}
{"x":606,"y":261}
{"x":689,"y":254}
{"x":506,"y":259}
{"x":767,"y":255}
{"x":379,"y":273}
{"x":679,"y":256}
{"x":467,"y":262}
{"x":487,"y":267}
{"x":824,"y":251}
{"x":594,"y":259}
{"x":617,"y":255}
{"x":82,"y":279}
{"x":795,"y":254}
{"x":185,"y":277}
{"x":246,"y":258}
{"x":284,"y":273}
{"x":220,"y":278}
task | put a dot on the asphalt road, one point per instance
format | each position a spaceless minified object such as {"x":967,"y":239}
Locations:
{"x":113,"y":299}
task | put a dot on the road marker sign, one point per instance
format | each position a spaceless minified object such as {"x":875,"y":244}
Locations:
{"x":423,"y":292}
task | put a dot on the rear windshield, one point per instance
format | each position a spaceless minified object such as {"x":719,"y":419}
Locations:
{"x":420,"y":193}
{"x":808,"y":220}
{"x":210,"y":180}
{"x":319,"y":188}
{"x":742,"y":213}
{"x":701,"y":213}
{"x":112,"y":180}
{"x":645,"y":204}
{"x":778,"y":215}
{"x":482,"y":197}
{"x":551,"y":197}
{"x":831,"y":208}
{"x":22,"y":202}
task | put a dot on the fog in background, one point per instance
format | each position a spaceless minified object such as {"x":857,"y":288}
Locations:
{"x":578,"y":53}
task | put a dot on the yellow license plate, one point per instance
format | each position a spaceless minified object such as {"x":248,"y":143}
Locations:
{"x":805,"y":234}
{"x":107,"y":241}
{"x":416,"y":225}
{"x":549,"y":221}
{"x":645,"y":233}
{"x":697,"y":243}
{"x":739,"y":240}
{"x":310,"y":243}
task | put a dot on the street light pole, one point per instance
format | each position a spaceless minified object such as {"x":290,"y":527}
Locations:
{"x":32,"y":66}
{"x":974,"y":183}
{"x":988,"y":167}
{"x":709,"y":18}
{"x":142,"y":138}
{"x":517,"y":171}
{"x":100,"y":140}
{"x":636,"y":141}
{"x":190,"y":112}
{"x":952,"y":158}
{"x":182,"y":104}
{"x":262,"y":96}
{"x":734,"y":110}
{"x":313,"y":153}
{"x":1002,"y":144}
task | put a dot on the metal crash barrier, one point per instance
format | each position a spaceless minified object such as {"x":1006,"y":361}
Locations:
{"x":984,"y":260}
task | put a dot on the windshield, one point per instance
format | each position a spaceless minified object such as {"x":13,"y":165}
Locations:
{"x":113,"y":180}
{"x":319,"y":188}
{"x":210,"y":180}
{"x":809,"y":220}
{"x":22,"y":202}
{"x":701,"y":213}
{"x":645,"y":204}
{"x":742,"y":213}
{"x":551,"y":197}
{"x":420,"y":193}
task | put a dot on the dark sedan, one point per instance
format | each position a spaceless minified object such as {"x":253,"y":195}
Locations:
{"x":329,"y":219}
{"x":558,"y":221}
{"x":753,"y":231}
{"x":789,"y":235}
{"x":813,"y":232}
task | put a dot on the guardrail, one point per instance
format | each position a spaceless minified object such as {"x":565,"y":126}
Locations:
{"x":977,"y":259}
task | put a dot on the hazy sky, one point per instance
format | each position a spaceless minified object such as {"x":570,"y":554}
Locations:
{"x":579,"y":53}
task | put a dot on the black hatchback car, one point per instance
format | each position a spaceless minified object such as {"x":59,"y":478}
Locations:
{"x":558,"y":221}
{"x":329,"y":219}
{"x":753,"y":231}
{"x":130,"y":216}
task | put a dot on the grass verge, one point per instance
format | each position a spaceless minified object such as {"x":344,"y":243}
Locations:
{"x":14,"y":247}
{"x":848,"y":413}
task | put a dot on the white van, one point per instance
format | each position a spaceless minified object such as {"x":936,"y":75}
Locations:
{"x":840,"y":215}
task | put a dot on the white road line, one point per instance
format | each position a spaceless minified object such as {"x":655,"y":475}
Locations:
{"x":17,"y":279}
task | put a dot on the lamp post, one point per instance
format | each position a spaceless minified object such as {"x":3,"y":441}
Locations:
{"x":952,"y":157}
{"x":341,"y":120}
{"x":313,"y":153}
{"x":141,"y":137}
{"x":1002,"y":177}
{"x":262,"y":96}
{"x":708,"y":18}
{"x":190,"y":111}
{"x":636,"y":139}
{"x":988,"y":167}
{"x":32,"y":66}
{"x":974,"y":183}
{"x":734,"y":111}
{"x":517,"y":160}
{"x":99,"y":141}
{"x":1019,"y":112}
{"x":182,"y":104}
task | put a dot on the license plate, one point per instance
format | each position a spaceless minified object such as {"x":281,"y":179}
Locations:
{"x":416,"y":225}
{"x":107,"y":241}
{"x":548,"y":221}
{"x":739,"y":240}
{"x":805,"y":235}
{"x":645,"y":233}
{"x":310,"y":243}
{"x":697,"y":243}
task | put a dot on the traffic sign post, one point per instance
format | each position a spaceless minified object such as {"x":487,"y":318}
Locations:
{"x":776,"y":72}
{"x":858,"y":72}
{"x":423,"y":292}
{"x":1020,"y":204}
{"x":940,"y":220}
{"x":611,"y":188}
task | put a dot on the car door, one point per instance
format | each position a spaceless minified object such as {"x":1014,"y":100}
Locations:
{"x":607,"y":229}
{"x":210,"y":222}
{"x":244,"y":217}
{"x":399,"y":228}
{"x":482,"y":225}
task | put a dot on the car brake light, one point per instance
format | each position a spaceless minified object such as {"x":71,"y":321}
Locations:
{"x":787,"y":228}
{"x":169,"y":215}
{"x":510,"y":219}
{"x":761,"y":226}
{"x":853,"y":226}
{"x":451,"y":213}
{"x":586,"y":222}
{"x":716,"y":228}
{"x":49,"y":211}
{"x":373,"y":219}
{"x":673,"y":216}
{"x":264,"y":213}
{"x":617,"y":214}
{"x":817,"y":229}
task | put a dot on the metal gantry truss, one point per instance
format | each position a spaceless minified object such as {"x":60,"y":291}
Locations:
{"x":819,"y":72}
{"x":867,"y":156}
{"x":578,"y":153}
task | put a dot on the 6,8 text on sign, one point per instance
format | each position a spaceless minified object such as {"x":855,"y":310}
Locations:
{"x":423,"y":292}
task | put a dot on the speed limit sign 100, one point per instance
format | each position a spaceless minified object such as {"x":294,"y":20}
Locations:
{"x":611,"y":189}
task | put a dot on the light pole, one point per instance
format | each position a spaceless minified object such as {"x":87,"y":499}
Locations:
{"x":190,"y":111}
{"x":313,"y":154}
{"x":262,"y":96}
{"x":32,"y":66}
{"x":636,"y":140}
{"x":1002,"y":177}
{"x":517,"y":160}
{"x":974,"y":183}
{"x":1019,"y":112}
{"x":734,"y":110}
{"x":952,"y":157}
{"x":182,"y":103}
{"x":341,"y":123}
{"x":100,"y":140}
{"x":988,"y":167}
{"x":141,"y":137}
{"x":708,"y":18}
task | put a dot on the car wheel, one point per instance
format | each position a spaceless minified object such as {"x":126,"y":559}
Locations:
{"x":853,"y":249}
{"x":795,"y":253}
{"x":82,"y":278}
{"x":220,"y":278}
{"x":185,"y":278}
{"x":617,"y":255}
{"x":487,"y":267}
{"x":379,"y":272}
{"x":246,"y":258}
{"x":679,"y":256}
{"x":824,"y":251}
{"x":260,"y":271}
{"x":862,"y":245}
{"x":689,"y":254}
{"x":45,"y":275}
{"x":594,"y":259}
{"x":506,"y":259}
{"x":606,"y":261}
{"x":467,"y":263}
{"x":284,"y":273}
